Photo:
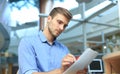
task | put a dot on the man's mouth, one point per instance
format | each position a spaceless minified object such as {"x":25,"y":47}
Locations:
{"x":58,"y":32}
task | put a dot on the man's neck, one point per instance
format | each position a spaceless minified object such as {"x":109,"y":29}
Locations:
{"x":50,"y":38}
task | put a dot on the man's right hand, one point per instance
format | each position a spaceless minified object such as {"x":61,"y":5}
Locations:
{"x":67,"y":61}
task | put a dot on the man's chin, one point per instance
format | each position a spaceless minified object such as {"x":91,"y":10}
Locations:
{"x":55,"y":36}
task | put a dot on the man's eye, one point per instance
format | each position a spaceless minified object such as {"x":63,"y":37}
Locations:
{"x":60,"y":22}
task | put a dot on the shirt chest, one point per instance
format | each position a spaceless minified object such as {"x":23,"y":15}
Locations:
{"x":48,"y":57}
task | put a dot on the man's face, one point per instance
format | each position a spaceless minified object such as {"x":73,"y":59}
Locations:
{"x":57,"y":24}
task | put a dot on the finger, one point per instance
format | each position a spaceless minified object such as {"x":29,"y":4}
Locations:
{"x":68,"y":59}
{"x":72,"y":57}
{"x":67,"y":62}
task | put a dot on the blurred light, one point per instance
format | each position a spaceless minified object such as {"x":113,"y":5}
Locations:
{"x":93,"y":10}
{"x":104,"y":47}
{"x":77,"y":16}
{"x":68,"y":4}
{"x":97,"y":8}
{"x":27,"y":13}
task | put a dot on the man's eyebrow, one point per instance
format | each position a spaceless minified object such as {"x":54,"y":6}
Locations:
{"x":60,"y":20}
{"x":65,"y":24}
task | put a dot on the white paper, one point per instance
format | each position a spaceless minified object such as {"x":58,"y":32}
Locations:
{"x":83,"y":61}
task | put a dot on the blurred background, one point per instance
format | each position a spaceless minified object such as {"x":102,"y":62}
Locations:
{"x":95,"y":24}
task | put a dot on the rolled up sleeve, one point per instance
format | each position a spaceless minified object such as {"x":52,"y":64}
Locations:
{"x":26,"y":58}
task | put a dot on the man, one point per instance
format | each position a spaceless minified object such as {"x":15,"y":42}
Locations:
{"x":42,"y":53}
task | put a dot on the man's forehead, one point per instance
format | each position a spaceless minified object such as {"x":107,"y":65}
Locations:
{"x":62,"y":18}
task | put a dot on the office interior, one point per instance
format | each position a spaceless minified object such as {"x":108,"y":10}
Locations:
{"x":95,"y":24}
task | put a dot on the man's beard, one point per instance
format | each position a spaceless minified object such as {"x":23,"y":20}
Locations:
{"x":51,"y":32}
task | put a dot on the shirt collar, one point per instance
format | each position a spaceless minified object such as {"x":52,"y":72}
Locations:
{"x":43,"y":38}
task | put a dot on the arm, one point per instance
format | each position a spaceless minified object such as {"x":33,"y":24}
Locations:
{"x":56,"y":71}
{"x":26,"y":57}
{"x":67,"y":61}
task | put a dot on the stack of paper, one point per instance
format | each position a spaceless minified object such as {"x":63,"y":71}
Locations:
{"x":83,"y":61}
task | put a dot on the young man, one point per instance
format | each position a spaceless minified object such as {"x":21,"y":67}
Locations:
{"x":42,"y":53}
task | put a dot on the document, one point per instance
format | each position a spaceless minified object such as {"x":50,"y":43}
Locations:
{"x":83,"y":61}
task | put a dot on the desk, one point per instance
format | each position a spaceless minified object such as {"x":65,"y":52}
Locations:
{"x":112,"y":63}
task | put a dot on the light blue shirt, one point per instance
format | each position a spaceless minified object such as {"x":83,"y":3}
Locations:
{"x":35,"y":54}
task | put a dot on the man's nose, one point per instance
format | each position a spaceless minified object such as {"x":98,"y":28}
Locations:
{"x":62,"y":27}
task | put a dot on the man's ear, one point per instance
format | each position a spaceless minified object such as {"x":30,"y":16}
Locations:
{"x":49,"y":18}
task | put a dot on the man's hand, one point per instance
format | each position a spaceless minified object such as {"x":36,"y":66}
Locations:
{"x":82,"y":71}
{"x":67,"y":61}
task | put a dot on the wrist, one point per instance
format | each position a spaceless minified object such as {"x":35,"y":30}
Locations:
{"x":56,"y":71}
{"x":59,"y":71}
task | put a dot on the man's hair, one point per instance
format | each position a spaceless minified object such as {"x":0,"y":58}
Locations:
{"x":60,"y":10}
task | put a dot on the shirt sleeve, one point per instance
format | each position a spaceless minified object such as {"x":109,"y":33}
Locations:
{"x":26,"y":57}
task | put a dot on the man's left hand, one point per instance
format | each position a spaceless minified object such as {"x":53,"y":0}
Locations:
{"x":82,"y":71}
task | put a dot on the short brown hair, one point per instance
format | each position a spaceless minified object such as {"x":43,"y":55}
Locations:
{"x":60,"y":10}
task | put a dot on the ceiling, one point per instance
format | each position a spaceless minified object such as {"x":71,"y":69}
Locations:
{"x":73,"y":35}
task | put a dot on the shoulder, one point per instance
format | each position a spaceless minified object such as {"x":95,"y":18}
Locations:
{"x":61,"y":45}
{"x":29,"y":39}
